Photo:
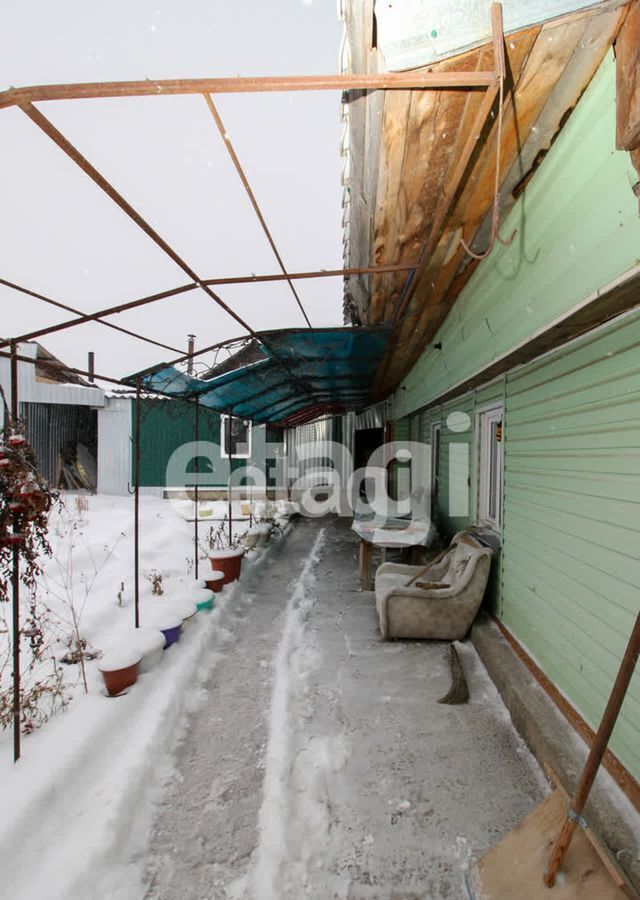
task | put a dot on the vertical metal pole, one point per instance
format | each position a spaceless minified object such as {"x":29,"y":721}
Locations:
{"x":136,"y":507}
{"x":196,"y":491}
{"x":15,"y":581}
{"x":190,"y":348}
{"x":91,"y":365}
{"x":229,"y":422}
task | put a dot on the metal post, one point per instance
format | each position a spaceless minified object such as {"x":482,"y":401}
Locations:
{"x":190,"y":349}
{"x":136,"y":507}
{"x":15,"y":580}
{"x":196,"y":491}
{"x":229,"y":423}
{"x":91,"y":366}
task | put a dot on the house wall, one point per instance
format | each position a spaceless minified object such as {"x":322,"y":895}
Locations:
{"x":577,"y":230}
{"x":114,"y":446}
{"x":166,"y":425}
{"x":567,"y":577}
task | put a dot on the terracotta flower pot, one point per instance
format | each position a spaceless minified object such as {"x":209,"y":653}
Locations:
{"x":228,"y":562}
{"x":120,"y":669}
{"x":216,"y":582}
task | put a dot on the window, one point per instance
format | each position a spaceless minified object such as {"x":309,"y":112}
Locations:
{"x":489,"y":433}
{"x":435,"y":464}
{"x":236,"y":437}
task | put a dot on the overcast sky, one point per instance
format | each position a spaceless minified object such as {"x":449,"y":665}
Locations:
{"x":61,"y":236}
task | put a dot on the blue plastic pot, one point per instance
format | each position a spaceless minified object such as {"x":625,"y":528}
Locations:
{"x":171,"y":635}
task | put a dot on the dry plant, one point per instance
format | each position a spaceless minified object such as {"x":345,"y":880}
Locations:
{"x":156,"y":583}
{"x":25,"y":503}
{"x":73,"y":591}
{"x":82,"y":504}
{"x":217,"y":538}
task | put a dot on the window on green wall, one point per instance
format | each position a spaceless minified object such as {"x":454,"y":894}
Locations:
{"x":236,"y":437}
{"x":489,"y":436}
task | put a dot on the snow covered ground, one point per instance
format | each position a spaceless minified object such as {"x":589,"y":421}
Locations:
{"x":82,"y":789}
{"x":321,"y":766}
{"x":280,"y":751}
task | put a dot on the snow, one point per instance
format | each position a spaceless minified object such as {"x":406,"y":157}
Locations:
{"x":120,"y":658}
{"x":147,"y":639}
{"x":80,"y":796}
{"x":277,"y":833}
{"x":226,"y":554}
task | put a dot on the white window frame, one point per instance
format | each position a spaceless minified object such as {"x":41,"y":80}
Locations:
{"x":223,"y":438}
{"x":486,"y":419}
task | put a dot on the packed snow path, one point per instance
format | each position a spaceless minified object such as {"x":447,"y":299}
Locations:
{"x":321,"y":765}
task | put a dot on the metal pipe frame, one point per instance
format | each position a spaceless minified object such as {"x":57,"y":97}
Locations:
{"x":136,"y":507}
{"x":101,"y":314}
{"x":25,"y":97}
{"x":387,"y":81}
{"x":134,"y":334}
{"x":15,"y":581}
{"x":256,"y":206}
{"x":196,"y":492}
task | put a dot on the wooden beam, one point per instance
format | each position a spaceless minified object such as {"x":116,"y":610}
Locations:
{"x":628,"y":81}
{"x":164,"y":88}
{"x":540,"y":98}
{"x":453,"y":187}
{"x":585,"y":60}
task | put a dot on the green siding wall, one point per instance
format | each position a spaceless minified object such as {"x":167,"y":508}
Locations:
{"x":567,"y":579}
{"x":571,"y":533}
{"x":577,"y":230}
{"x":167,"y":424}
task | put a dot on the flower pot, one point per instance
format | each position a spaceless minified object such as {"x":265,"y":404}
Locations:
{"x":228,"y":562}
{"x":184,"y":608}
{"x":150,"y":643}
{"x":171,"y":634}
{"x":203,"y":599}
{"x":120,"y":669}
{"x":216,"y":582}
{"x":169,"y":622}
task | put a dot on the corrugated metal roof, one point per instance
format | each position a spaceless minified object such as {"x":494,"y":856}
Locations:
{"x":302,"y":375}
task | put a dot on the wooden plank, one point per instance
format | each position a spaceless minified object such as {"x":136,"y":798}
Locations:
{"x":628,"y":81}
{"x":394,"y":129}
{"x":615,"y":872}
{"x":397,"y":233}
{"x":515,"y":866}
{"x":588,"y":54}
{"x":553,"y":50}
{"x":433,"y":125}
{"x":581,"y":63}
{"x":412,"y":332}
